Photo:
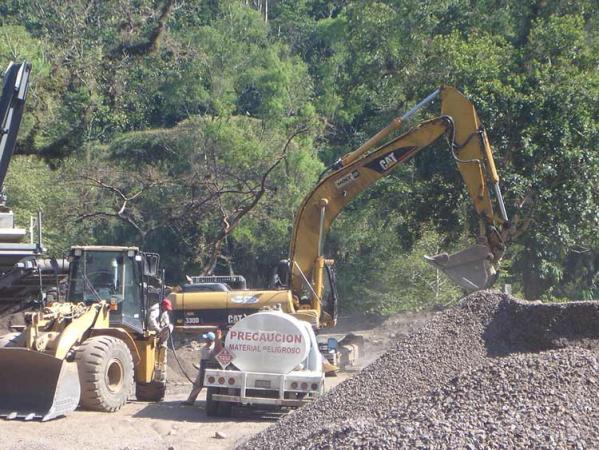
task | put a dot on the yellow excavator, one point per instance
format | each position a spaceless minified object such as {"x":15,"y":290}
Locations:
{"x":305,"y":285}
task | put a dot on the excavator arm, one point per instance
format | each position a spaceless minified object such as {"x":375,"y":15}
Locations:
{"x":473,"y":268}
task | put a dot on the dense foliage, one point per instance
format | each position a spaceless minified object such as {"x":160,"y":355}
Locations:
{"x":195,"y":128}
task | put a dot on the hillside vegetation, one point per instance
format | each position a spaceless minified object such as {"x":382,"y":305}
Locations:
{"x":195,"y":128}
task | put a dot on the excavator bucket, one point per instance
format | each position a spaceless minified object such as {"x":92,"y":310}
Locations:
{"x":471,"y":268}
{"x":34,"y":385}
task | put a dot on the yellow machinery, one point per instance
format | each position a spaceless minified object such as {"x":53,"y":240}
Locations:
{"x":303,"y":279}
{"x":92,"y":348}
{"x":203,"y":306}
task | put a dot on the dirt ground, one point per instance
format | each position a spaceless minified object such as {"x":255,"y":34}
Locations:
{"x":138,"y":425}
{"x":167,"y":425}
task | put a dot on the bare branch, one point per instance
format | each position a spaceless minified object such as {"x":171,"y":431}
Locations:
{"x":118,"y":215}
{"x":114,"y":189}
{"x":229,"y":223}
{"x":121,"y":214}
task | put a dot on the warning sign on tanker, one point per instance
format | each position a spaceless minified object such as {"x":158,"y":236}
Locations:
{"x":224,"y":358}
{"x":268,"y":342}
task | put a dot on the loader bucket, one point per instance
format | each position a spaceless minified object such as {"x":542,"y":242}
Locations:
{"x":34,"y":385}
{"x":471,"y":268}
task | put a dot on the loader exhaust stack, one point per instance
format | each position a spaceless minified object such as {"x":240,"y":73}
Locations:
{"x":471,"y":268}
{"x":34,"y":385}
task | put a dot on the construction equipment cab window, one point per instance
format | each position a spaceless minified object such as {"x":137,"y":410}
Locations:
{"x":108,"y":275}
{"x":102,"y":275}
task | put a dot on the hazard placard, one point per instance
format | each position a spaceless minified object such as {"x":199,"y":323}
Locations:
{"x":224,"y":358}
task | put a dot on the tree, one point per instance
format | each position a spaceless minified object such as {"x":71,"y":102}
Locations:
{"x":119,"y":86}
{"x":531,"y":74}
{"x":195,"y":183}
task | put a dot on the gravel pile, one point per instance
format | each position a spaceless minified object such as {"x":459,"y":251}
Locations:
{"x":494,"y":371}
{"x":544,"y":400}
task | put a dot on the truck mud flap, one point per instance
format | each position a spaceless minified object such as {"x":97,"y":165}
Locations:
{"x":34,"y":385}
{"x":471,"y":268}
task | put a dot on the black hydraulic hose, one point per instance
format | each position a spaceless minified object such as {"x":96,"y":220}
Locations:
{"x":170,"y":338}
{"x":334,"y":293}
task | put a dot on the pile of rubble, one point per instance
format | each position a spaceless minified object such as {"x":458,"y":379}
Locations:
{"x":494,"y":371}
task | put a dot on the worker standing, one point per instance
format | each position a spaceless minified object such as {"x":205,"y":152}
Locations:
{"x":212,"y":346}
{"x":160,"y":321}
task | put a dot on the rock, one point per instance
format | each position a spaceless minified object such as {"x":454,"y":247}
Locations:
{"x":220,"y":435}
{"x":484,"y":373}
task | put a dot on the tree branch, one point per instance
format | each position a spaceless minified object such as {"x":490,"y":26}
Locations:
{"x":151,"y":43}
{"x":229,"y":224}
{"x":121,"y":213}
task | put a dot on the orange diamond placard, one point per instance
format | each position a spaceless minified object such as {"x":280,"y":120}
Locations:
{"x":224,"y":358}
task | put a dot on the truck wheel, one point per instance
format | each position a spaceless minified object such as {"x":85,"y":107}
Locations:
{"x":224,"y":409}
{"x":150,"y":392}
{"x":212,"y":406}
{"x":105,"y":373}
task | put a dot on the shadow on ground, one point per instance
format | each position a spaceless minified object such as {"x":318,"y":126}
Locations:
{"x":174,"y":410}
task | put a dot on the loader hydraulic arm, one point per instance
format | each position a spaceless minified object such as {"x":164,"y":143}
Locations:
{"x":359,"y":169}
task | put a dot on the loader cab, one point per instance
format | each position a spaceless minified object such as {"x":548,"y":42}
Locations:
{"x":123,"y":276}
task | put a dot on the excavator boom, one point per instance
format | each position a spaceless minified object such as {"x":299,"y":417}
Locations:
{"x":473,"y":268}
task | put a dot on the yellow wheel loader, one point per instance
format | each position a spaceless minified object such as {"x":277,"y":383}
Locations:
{"x":92,"y":348}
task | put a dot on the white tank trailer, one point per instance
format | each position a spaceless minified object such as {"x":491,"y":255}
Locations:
{"x":269,"y":358}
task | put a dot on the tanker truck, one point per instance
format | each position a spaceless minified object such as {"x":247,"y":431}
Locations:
{"x":268,"y":358}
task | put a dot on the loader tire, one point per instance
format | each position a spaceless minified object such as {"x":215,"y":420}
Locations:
{"x":105,"y":373}
{"x":150,"y":392}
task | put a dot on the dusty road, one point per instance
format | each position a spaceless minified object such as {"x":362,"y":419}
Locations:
{"x":165,"y":425}
{"x":138,"y":425}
